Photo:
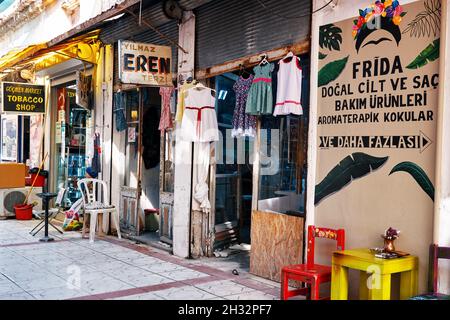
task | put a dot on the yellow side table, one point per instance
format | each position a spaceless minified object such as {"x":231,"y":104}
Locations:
{"x":375,"y":279}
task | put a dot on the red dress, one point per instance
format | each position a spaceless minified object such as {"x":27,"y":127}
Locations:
{"x":166,"y":118}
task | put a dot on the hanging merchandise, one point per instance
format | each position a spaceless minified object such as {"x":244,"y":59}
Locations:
{"x":244,"y":125}
{"x":165,"y":121}
{"x":182,"y":92}
{"x":289,"y":86}
{"x":260,"y":100}
{"x":119,"y":108}
{"x":199,"y":123}
{"x":201,"y":189}
{"x":96,"y":165}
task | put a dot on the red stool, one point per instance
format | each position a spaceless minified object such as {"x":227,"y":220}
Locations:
{"x":310,"y":273}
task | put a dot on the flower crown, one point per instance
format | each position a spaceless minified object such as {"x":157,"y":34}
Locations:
{"x":384,"y":8}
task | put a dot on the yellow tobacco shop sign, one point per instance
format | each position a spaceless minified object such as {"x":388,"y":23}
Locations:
{"x":144,"y":63}
{"x":23,"y":98}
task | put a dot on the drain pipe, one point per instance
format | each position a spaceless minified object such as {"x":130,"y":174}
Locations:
{"x":442,"y":173}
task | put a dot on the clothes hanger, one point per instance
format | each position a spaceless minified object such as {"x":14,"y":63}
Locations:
{"x":264,"y":60}
{"x":201,"y":86}
{"x":288,"y":57}
{"x":242,"y":71}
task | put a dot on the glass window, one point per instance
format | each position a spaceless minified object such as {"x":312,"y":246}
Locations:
{"x":233,"y":170}
{"x":169,"y":163}
{"x":132,"y":138}
{"x":9,"y":137}
{"x":283,"y":155}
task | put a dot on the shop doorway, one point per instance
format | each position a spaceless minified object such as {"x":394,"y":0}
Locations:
{"x":147,"y":192}
{"x":129,"y":193}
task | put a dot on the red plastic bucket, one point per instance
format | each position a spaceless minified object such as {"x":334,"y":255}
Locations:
{"x":40,"y":180}
{"x":24,"y":211}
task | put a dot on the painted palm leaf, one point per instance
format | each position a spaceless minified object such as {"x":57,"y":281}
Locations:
{"x":330,"y":37}
{"x":331,"y":71}
{"x":427,"y":22}
{"x":354,"y":166}
{"x":418,"y":174}
{"x":429,"y":54}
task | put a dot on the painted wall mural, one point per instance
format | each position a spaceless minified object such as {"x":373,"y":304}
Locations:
{"x":377,"y":106}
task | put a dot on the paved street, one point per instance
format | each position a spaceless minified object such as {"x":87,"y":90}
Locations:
{"x":71,"y":268}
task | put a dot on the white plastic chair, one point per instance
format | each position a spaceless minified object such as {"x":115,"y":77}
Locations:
{"x":90,"y":189}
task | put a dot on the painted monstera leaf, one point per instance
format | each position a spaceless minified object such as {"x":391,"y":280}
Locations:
{"x":330,"y":37}
{"x":429,"y":54}
{"x":322,"y":55}
{"x":418,"y":175}
{"x":331,"y":71}
{"x":354,"y":166}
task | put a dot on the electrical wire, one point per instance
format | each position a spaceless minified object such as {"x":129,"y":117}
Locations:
{"x":294,"y":17}
{"x":140,"y":13}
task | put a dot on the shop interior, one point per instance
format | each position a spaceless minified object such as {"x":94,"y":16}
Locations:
{"x":234,"y":171}
{"x":71,"y":136}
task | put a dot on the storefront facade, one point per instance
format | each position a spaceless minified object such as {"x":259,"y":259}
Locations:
{"x":259,"y":178}
{"x":60,"y":136}
{"x":72,"y":64}
{"x":207,"y":51}
{"x":388,"y":194}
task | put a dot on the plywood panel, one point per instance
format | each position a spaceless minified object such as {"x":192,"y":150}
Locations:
{"x":277,"y":241}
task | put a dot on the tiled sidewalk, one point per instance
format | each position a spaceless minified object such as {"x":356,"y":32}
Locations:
{"x":71,"y":268}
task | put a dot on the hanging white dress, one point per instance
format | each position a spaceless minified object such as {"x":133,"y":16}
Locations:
{"x":289,"y":87}
{"x":199,"y":125}
{"x":199,"y":122}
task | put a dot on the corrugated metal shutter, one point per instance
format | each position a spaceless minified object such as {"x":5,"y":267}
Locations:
{"x":128,"y":26}
{"x":170,"y":29}
{"x":232,"y":29}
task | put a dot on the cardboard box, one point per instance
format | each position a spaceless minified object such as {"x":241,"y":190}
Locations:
{"x":12,"y":175}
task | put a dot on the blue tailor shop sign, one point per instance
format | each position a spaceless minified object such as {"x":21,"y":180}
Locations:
{"x":23,"y":98}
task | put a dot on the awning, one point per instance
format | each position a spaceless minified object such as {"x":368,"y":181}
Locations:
{"x":41,"y":56}
{"x":18,"y":54}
